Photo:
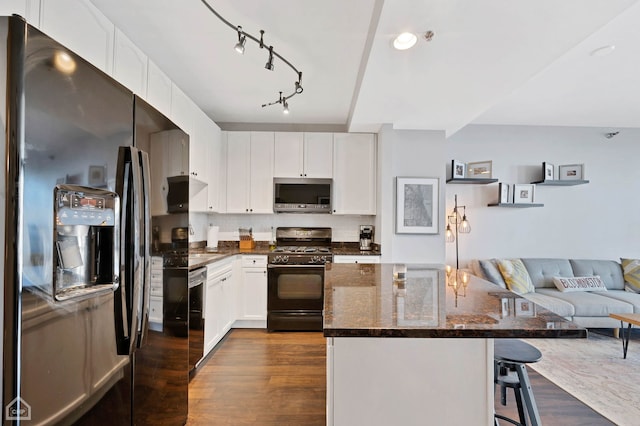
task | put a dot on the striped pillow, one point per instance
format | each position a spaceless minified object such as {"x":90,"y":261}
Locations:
{"x":631,"y":271}
{"x":515,"y":275}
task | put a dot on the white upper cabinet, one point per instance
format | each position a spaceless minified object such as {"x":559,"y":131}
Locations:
{"x":354,"y":173}
{"x":9,"y":7}
{"x":318,"y":155}
{"x":130,"y":65}
{"x":158,"y":89}
{"x":249,"y":172}
{"x":288,"y":154}
{"x":308,"y":155}
{"x":186,"y":114}
{"x":215,"y":172}
{"x":81,"y":27}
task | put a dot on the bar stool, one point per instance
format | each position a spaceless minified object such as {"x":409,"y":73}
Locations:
{"x":512,"y":355}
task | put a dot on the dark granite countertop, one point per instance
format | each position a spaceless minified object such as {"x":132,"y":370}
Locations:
{"x":200,"y":257}
{"x":363,"y":300}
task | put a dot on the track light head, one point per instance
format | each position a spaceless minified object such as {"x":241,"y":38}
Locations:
{"x":242,"y":39}
{"x":285,"y":109}
{"x":269,"y":64}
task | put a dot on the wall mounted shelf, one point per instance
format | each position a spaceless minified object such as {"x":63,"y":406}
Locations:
{"x":472,"y":181}
{"x":561,"y":182}
{"x":516,"y":205}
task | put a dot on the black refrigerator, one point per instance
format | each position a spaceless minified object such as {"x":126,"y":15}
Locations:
{"x":76,"y":245}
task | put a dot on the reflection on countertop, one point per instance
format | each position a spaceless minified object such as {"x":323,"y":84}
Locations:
{"x":364,"y":300}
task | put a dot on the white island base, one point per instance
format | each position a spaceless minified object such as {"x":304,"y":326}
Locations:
{"x":409,"y":381}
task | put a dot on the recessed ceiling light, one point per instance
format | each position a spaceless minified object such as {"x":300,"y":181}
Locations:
{"x":405,"y":41}
{"x":603,"y":51}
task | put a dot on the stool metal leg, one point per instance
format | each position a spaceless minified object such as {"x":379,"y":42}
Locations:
{"x":527,"y":395}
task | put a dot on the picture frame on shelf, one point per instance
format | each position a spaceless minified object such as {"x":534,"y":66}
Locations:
{"x":523,"y":193}
{"x":479,"y":170}
{"x":417,"y":205}
{"x":458,"y":169}
{"x":548,"y":171}
{"x":504,"y":193}
{"x":571,"y":172}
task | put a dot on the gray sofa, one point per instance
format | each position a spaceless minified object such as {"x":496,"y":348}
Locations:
{"x":589,"y":309}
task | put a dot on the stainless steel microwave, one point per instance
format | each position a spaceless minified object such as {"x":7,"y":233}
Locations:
{"x":293,"y":195}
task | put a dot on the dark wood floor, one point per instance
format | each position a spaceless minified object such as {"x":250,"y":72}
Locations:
{"x":260,"y":378}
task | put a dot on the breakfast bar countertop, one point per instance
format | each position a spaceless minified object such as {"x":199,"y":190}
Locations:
{"x":363,"y":300}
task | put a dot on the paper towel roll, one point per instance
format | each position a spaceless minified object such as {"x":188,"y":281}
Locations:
{"x":212,"y":237}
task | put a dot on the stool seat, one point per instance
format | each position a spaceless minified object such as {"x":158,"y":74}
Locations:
{"x":514,"y":350}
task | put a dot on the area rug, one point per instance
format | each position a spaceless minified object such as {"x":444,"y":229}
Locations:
{"x":594,"y":371}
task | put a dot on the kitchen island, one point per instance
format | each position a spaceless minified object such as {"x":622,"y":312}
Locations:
{"x":420,"y":351}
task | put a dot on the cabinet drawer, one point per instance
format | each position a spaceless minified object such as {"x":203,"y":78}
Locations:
{"x":155,"y":309}
{"x":155,"y":290}
{"x":254,"y":261}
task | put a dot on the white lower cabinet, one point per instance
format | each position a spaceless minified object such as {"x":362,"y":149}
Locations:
{"x":356,"y":259}
{"x":252,"y":297}
{"x":219,"y":301}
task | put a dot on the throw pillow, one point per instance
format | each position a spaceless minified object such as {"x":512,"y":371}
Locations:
{"x":631,"y":271}
{"x":515,"y":275}
{"x":567,"y":284}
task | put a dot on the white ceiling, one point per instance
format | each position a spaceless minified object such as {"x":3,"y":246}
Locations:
{"x":490,"y":62}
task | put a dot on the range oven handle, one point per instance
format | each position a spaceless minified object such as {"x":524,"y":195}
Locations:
{"x":306,"y":265}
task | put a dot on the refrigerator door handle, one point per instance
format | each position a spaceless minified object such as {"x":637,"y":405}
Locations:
{"x":144,"y":247}
{"x":127,"y":303}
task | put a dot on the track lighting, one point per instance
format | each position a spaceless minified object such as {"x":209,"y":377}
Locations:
{"x":240,"y":46}
{"x":242,"y":39}
{"x":269,"y":64}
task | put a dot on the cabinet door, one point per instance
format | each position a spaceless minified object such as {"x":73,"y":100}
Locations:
{"x":215,"y":173}
{"x":158,"y":89}
{"x":129,"y":65}
{"x":288,"y":154}
{"x":81,"y":27}
{"x":199,"y":145}
{"x":212,"y":294}
{"x":318,"y":155}
{"x":254,"y":303}
{"x":159,"y":188}
{"x":354,"y":174}
{"x":177,"y":153}
{"x":261,"y":173}
{"x":238,"y":169}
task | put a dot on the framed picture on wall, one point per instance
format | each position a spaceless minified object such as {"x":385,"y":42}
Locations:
{"x":417,"y":205}
{"x":479,"y":170}
{"x":523,"y":193}
{"x":548,"y":171}
{"x":458,"y":169}
{"x":571,"y":171}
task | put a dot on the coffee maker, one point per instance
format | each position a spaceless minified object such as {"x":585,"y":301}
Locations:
{"x":366,"y":237}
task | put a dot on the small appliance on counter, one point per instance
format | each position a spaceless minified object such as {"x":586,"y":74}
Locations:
{"x":366,"y":237}
{"x":212,"y":239}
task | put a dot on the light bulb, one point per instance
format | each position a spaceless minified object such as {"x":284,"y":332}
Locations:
{"x":464,"y":227}
{"x":285,"y":110}
{"x":448,"y":235}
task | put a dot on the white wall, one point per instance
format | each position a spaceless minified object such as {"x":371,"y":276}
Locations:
{"x":409,"y":153}
{"x":598,"y":220}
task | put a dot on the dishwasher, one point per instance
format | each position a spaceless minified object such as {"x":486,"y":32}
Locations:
{"x":197,"y":280}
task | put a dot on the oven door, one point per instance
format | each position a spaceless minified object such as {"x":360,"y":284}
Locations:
{"x":176,"y":301}
{"x":295,"y":297}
